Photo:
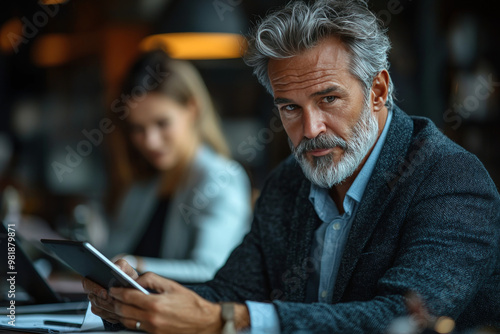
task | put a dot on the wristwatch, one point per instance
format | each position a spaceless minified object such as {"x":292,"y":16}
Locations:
{"x":227,"y":315}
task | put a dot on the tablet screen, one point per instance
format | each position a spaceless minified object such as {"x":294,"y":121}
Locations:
{"x":90,"y":263}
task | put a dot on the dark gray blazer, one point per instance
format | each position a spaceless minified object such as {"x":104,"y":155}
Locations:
{"x":428,"y":222}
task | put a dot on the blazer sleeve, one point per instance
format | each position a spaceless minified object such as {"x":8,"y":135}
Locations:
{"x":219,"y":214}
{"x":449,"y":247}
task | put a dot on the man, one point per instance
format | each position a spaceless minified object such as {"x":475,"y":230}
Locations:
{"x":374,"y":204}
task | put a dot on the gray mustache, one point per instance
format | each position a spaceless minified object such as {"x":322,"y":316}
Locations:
{"x":322,"y":141}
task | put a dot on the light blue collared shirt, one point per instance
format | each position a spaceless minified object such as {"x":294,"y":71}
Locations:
{"x":329,"y":241}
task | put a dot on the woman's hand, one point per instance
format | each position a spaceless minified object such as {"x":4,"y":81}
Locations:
{"x":102,"y":304}
{"x":174,"y":309}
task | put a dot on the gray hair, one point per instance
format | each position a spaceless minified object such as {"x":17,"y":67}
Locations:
{"x":299,"y":26}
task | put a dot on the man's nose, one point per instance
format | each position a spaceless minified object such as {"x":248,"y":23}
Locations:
{"x":313,"y":123}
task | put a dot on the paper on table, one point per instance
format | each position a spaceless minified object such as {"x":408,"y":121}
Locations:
{"x":91,"y":321}
{"x":63,"y":323}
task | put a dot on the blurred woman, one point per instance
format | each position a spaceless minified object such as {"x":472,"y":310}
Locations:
{"x":181,"y":204}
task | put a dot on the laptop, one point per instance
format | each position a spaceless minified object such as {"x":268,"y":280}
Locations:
{"x":19,"y":278}
{"x":27,"y":297}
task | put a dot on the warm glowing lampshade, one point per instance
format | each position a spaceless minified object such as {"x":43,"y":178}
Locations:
{"x":200,"y":29}
{"x":197,"y":45}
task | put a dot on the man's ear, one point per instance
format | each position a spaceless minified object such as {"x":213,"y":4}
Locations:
{"x":380,"y":90}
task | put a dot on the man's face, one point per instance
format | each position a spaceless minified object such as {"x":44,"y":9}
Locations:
{"x":329,"y":122}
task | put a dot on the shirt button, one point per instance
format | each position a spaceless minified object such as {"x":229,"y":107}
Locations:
{"x":336,"y":226}
{"x":324,"y":293}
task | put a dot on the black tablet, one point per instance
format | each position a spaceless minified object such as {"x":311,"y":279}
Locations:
{"x":82,"y":257}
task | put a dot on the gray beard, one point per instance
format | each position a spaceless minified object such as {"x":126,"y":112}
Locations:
{"x":323,"y":171}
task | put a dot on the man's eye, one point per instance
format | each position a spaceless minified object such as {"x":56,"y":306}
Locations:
{"x":329,"y":99}
{"x":290,"y":107}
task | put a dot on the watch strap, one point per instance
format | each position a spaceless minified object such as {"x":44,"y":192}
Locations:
{"x":227,"y":315}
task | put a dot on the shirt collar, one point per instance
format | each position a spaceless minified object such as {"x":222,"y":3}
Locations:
{"x":319,"y":196}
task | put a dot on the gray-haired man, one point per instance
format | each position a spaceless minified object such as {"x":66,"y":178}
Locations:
{"x":372,"y":205}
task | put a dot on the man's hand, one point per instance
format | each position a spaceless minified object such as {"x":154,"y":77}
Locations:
{"x":102,"y":303}
{"x":135,"y":261}
{"x":174,"y":309}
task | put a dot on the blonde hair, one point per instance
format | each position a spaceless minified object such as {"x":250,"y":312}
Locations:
{"x":178,"y":80}
{"x":208,"y":123}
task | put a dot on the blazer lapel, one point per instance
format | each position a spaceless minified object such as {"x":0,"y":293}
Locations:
{"x":375,"y":198}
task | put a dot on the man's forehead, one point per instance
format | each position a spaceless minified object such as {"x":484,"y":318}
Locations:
{"x":328,"y":60}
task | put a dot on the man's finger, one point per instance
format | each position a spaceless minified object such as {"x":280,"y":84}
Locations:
{"x":131,"y":296}
{"x":157,"y":283}
{"x":93,"y":288}
{"x":126,"y":311}
{"x":132,"y":324}
{"x":105,"y":304}
{"x":127,"y":268}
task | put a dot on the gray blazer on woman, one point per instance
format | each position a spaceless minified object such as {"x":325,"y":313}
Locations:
{"x":206,"y":218}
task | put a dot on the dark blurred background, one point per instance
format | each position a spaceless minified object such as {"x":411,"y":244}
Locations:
{"x":62,"y":62}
